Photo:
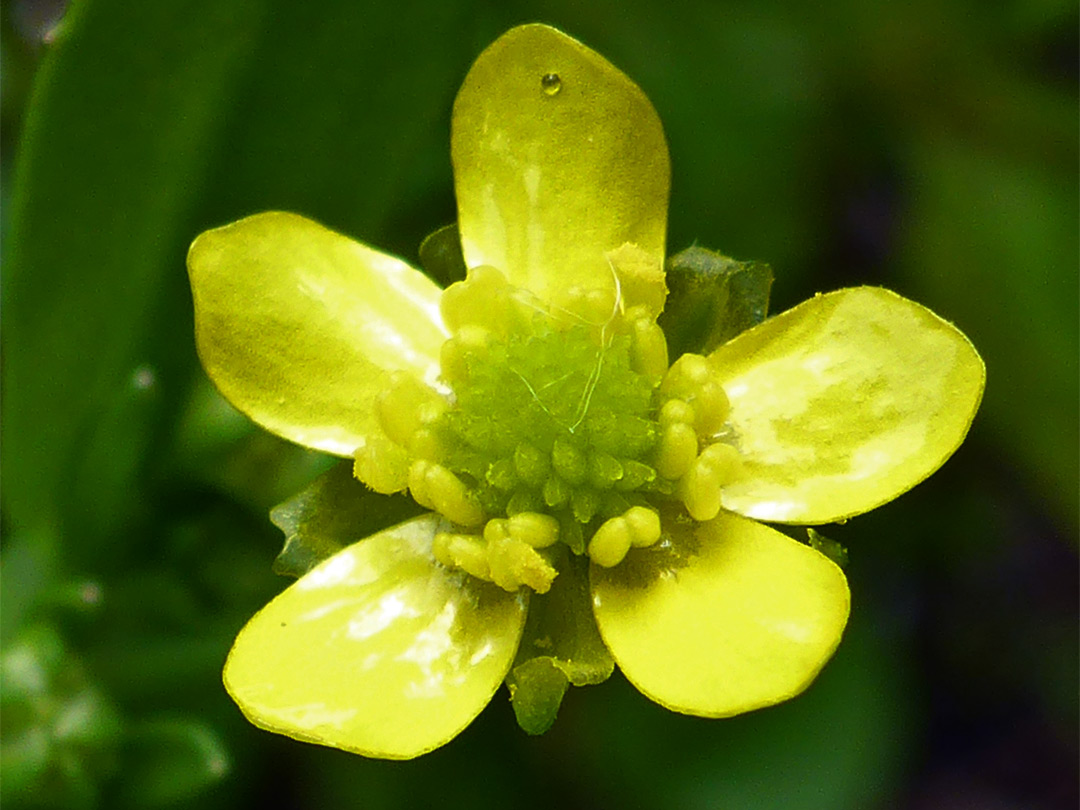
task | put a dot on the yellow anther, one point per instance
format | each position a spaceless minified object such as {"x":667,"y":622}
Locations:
{"x":498,"y":556}
{"x":405,"y":405}
{"x":514,"y":563}
{"x":482,"y":298}
{"x":649,"y":347}
{"x":611,"y":542}
{"x":465,"y":551}
{"x":440,"y":548}
{"x":534,"y":528}
{"x":692,"y":379}
{"x":675,"y":411}
{"x":644,"y":526}
{"x":676,"y":451}
{"x":456,"y":352}
{"x":425,"y":444}
{"x":711,"y":408}
{"x":701,"y":487}
{"x":382,"y":465}
{"x":685,"y":377}
{"x":700,"y":492}
{"x":496,"y":529}
{"x":435,"y":487}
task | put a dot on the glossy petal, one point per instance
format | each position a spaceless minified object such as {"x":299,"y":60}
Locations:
{"x":378,"y":650}
{"x":552,"y":173}
{"x":731,"y":617}
{"x":843,"y":403}
{"x":296,"y":324}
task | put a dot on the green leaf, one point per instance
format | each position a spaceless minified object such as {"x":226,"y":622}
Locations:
{"x":711,"y":299}
{"x":830,"y":548}
{"x":112,"y":151}
{"x":561,"y":646}
{"x":335,"y":511}
{"x":441,"y":257}
{"x":114,"y":446}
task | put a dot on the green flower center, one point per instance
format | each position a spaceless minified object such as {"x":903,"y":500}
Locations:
{"x":556,"y":422}
{"x":564,"y":425}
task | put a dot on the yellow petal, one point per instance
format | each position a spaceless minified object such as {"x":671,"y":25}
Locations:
{"x":378,"y":650}
{"x":296,"y":325}
{"x":731,"y":617}
{"x":843,"y":403}
{"x":558,"y":159}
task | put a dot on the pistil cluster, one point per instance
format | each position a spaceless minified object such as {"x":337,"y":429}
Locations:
{"x":562,"y":428}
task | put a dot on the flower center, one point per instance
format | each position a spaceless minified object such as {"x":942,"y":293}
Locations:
{"x":565,"y":429}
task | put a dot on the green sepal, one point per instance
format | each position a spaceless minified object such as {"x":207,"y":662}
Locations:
{"x":536,"y":692}
{"x":830,"y":548}
{"x":441,"y":257}
{"x":334,"y":511}
{"x":561,"y":646}
{"x":711,"y":299}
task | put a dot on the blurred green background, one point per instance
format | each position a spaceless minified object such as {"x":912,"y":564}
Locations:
{"x":930,"y":147}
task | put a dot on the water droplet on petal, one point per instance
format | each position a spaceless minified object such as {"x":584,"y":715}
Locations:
{"x":550,"y":83}
{"x":143,"y":378}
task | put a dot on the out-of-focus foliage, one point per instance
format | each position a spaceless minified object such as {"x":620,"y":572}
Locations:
{"x":929,"y":147}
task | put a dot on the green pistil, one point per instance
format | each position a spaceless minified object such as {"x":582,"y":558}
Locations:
{"x":554,"y":421}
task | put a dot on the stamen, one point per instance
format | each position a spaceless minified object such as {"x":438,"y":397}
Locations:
{"x":382,"y":465}
{"x":434,"y":486}
{"x":676,"y":451}
{"x":700,"y":488}
{"x":637,"y":527}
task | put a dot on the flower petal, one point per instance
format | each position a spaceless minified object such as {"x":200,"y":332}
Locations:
{"x":378,"y":650}
{"x":558,"y":159}
{"x":296,"y":324}
{"x":843,"y":403}
{"x":731,"y":617}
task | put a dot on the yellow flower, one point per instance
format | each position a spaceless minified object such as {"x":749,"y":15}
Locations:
{"x":532,"y":408}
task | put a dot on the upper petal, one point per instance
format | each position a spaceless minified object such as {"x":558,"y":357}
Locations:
{"x":558,"y":159}
{"x":378,"y":650}
{"x":843,"y":403}
{"x":722,"y":618}
{"x":296,"y":325}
